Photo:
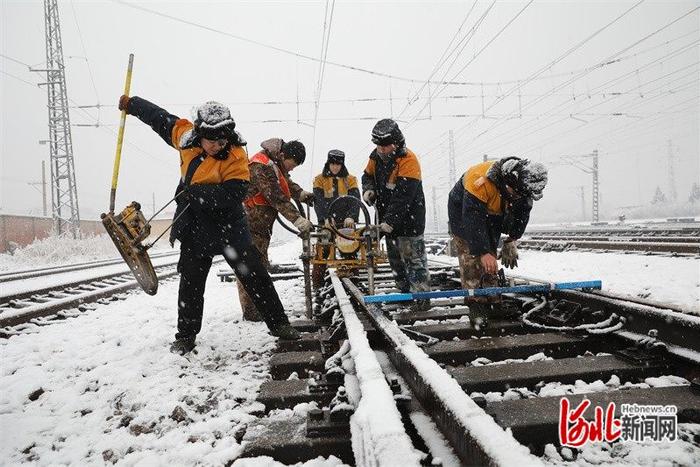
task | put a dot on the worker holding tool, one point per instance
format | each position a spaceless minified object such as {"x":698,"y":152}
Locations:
{"x":270,"y":192}
{"x":491,"y":198}
{"x":392,"y":182}
{"x":209,"y":218}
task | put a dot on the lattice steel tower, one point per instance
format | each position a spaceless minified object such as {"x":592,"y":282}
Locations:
{"x":64,"y":195}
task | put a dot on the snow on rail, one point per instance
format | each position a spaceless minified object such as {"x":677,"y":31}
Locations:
{"x":499,"y":445}
{"x":378,"y":434}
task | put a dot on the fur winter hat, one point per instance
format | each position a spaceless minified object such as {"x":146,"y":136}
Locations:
{"x":213,"y":121}
{"x":524,"y":176}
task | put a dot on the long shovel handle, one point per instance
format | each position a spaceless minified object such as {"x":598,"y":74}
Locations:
{"x":120,"y":139}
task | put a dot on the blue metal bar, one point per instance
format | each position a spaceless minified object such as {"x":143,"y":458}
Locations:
{"x":404,"y":297}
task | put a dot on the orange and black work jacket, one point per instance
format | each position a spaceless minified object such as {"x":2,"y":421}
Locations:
{"x":480,"y":209}
{"x":270,"y":190}
{"x":397,"y":183}
{"x":215,"y":188}
{"x":328,"y":188}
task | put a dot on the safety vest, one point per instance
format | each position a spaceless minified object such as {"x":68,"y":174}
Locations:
{"x":258,"y":199}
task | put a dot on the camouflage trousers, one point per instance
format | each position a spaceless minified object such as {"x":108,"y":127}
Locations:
{"x":250,"y":313}
{"x":409,"y":263}
{"x":471,"y":272}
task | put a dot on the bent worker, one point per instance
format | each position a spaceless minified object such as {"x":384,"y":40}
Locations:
{"x":270,"y":192}
{"x":491,"y":198}
{"x":333,"y":182}
{"x":209,"y":218}
{"x":392,"y":181}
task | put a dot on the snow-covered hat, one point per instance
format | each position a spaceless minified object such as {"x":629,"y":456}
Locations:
{"x":524,"y":176}
{"x":213,"y":121}
{"x":387,"y":132}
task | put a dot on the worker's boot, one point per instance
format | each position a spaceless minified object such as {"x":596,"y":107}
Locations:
{"x":182,"y":345}
{"x":479,"y":314}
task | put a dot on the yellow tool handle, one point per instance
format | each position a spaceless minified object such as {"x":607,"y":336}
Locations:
{"x":120,"y":138}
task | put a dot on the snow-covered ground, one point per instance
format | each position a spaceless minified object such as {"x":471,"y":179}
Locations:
{"x":55,"y":251}
{"x":104,"y":386}
{"x":658,"y":278}
{"x":34,"y":283}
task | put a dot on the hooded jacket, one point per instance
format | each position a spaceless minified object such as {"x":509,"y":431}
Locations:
{"x":480,"y":209}
{"x":264,"y":181}
{"x":397,"y":184}
{"x":329,"y":187}
{"x":209,"y":215}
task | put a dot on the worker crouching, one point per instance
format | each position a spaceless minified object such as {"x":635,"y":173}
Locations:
{"x":491,"y":198}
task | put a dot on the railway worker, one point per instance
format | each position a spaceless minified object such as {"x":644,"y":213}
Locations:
{"x":491,"y":198}
{"x":392,"y":183}
{"x":270,"y":192}
{"x":333,"y":182}
{"x":209,"y":218}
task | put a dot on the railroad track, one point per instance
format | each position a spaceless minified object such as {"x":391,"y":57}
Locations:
{"x":68,"y":299}
{"x":669,"y":242}
{"x":40,"y":272}
{"x":72,"y":298}
{"x":411,"y":380}
{"x":635,"y":245}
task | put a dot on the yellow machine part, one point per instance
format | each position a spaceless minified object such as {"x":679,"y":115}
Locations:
{"x":344,"y":254}
{"x":127,"y":230}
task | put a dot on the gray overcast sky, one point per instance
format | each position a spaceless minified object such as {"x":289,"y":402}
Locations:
{"x":567,"y":101}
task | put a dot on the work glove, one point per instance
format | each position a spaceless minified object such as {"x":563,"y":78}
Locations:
{"x":509,"y":254}
{"x":304,"y":225}
{"x":369,"y":196}
{"x":306,"y":197}
{"x":349,"y":223}
{"x":184,"y":196}
{"x":124,"y":103}
{"x":386,"y":228}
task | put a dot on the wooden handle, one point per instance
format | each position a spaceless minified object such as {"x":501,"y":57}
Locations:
{"x":120,"y":138}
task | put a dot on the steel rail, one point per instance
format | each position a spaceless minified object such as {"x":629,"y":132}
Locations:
{"x":472,"y":433}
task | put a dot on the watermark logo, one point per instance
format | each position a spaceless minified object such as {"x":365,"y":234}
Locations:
{"x":636,"y":423}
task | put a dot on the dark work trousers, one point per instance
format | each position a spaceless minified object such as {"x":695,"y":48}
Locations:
{"x":251,"y":273}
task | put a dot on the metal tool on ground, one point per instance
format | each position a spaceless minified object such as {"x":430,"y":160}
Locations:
{"x":129,"y":228}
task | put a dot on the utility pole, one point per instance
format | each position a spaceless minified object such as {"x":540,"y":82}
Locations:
{"x":671,"y":174}
{"x":435,"y":214}
{"x":452,"y":171}
{"x":583,"y":203}
{"x":595,"y":195}
{"x":153,"y":203}
{"x":64,"y":193}
{"x":43,"y":186}
{"x":577,"y":161}
{"x":486,"y":157}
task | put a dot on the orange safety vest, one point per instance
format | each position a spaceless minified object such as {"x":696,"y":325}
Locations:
{"x":258,"y":199}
